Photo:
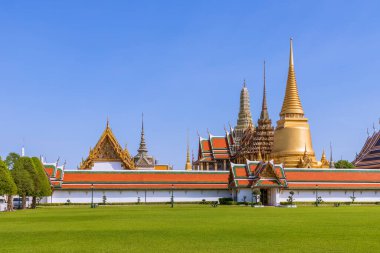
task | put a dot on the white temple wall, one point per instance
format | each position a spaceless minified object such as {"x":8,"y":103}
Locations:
{"x":121,"y":196}
{"x":331,"y":195}
{"x":275,"y":197}
{"x":107,"y":166}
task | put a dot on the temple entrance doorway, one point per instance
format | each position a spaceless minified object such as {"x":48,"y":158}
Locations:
{"x":264,"y":196}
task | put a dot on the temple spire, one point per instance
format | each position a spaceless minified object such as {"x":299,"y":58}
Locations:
{"x":188,"y":163}
{"x":291,"y":106}
{"x":142,"y":148}
{"x":331,"y":162}
{"x":245,"y":117}
{"x":264,"y":107}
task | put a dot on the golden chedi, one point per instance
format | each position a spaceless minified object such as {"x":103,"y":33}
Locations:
{"x":292,"y":138}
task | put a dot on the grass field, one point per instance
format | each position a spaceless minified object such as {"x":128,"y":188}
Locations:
{"x":191,"y":228}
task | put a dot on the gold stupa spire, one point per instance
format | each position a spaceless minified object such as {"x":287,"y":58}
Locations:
{"x":292,"y":106}
{"x":292,"y":144}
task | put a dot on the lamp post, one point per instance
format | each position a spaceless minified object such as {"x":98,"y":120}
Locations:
{"x":316,"y":195}
{"x":172,"y":198}
{"x":92,"y":195}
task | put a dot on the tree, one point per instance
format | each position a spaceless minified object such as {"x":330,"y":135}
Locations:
{"x":7,"y":185}
{"x":11,"y":159}
{"x":256,"y":193}
{"x":25,"y":176}
{"x":290,"y":199}
{"x":42,"y":184}
{"x":344,"y":164}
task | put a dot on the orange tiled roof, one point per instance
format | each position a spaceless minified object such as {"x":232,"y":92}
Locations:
{"x":146,"y":179}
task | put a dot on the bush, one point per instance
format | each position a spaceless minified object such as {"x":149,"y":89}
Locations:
{"x":225,"y":201}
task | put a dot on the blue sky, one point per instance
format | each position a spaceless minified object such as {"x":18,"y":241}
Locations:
{"x":67,"y":65}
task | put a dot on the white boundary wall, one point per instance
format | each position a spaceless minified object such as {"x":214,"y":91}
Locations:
{"x":275,"y":197}
{"x":331,"y":195}
{"x":122,"y":196}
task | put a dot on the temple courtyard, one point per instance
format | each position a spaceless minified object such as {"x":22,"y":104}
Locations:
{"x":191,"y":228}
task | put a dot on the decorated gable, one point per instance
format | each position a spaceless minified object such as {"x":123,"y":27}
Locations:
{"x":108,"y":154}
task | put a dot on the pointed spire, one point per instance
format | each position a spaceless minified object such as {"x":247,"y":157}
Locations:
{"x":188,"y":163}
{"x":259,"y":157}
{"x":245,"y":117}
{"x":188,"y":149}
{"x":264,"y":108}
{"x":323,"y":155}
{"x":108,"y":123}
{"x":291,"y":106}
{"x":142,"y":149}
{"x":331,"y":157}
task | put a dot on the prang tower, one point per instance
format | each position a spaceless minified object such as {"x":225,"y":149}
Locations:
{"x":244,"y":119}
{"x":292,"y":139}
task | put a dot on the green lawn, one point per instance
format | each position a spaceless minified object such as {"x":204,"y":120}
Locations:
{"x":191,"y":228}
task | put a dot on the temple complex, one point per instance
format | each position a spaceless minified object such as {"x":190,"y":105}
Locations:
{"x":278,"y":162}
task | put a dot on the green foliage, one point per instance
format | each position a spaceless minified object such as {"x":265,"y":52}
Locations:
{"x":344,"y":164}
{"x":43,"y":185}
{"x":7,"y":185}
{"x":24,"y":175}
{"x":256,"y":192}
{"x":225,"y":201}
{"x":290,"y":199}
{"x":11,"y":159}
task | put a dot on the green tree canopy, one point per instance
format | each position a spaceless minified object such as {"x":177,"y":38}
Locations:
{"x":11,"y":159}
{"x":344,"y":164}
{"x":7,"y":185}
{"x":24,"y":176}
{"x":43,"y":187}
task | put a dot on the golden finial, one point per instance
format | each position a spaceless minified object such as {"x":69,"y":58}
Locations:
{"x":259,"y":158}
{"x":188,"y":164}
{"x":108,"y":122}
{"x":323,"y":155}
{"x":292,"y":104}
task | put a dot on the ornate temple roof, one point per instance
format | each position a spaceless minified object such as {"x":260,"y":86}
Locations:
{"x":108,"y":149}
{"x":369,"y":156}
{"x":215,"y":148}
{"x":257,"y":174}
{"x":292,"y":104}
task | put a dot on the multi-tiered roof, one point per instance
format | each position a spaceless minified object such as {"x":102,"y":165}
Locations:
{"x":257,"y":142}
{"x":369,"y":156}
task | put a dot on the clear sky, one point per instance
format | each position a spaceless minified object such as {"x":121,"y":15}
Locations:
{"x":67,"y":65}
